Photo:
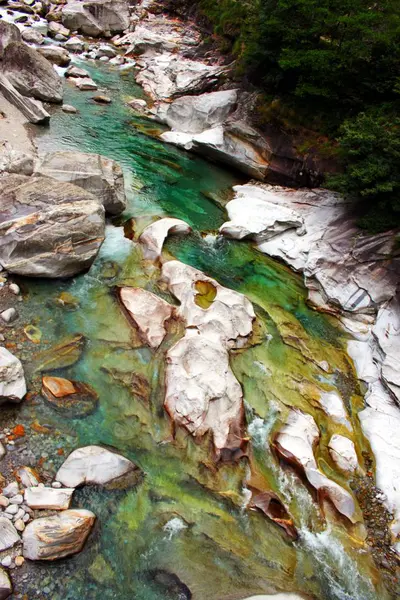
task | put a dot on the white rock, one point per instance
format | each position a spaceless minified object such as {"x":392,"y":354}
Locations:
{"x":84,"y":83}
{"x":11,"y":509}
{"x":148,"y":312}
{"x":18,"y":499}
{"x":9,"y":315}
{"x":93,"y":464}
{"x":8,"y":534}
{"x":6,"y":561}
{"x":27,"y":476}
{"x":75,"y":44}
{"x":51,"y":538}
{"x":11,"y":490}
{"x":48,"y":498}
{"x":12,"y":378}
{"x":56,"y":484}
{"x":295,"y":443}
{"x":154,"y":236}
{"x":14,"y":288}
{"x":343,"y":453}
{"x":5,"y":585}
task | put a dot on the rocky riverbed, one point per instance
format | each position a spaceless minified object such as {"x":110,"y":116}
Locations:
{"x":178,"y":418}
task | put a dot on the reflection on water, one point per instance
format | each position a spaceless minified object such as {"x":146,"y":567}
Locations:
{"x":186,"y":529}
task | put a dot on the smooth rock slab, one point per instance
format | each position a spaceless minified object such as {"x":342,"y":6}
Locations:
{"x":51,"y":538}
{"x":148,"y":312}
{"x":48,"y":228}
{"x":343,"y":453}
{"x":153,"y":237}
{"x":48,"y":498}
{"x":101,"y":176}
{"x":12,"y":378}
{"x":8,"y":534}
{"x":93,"y":465}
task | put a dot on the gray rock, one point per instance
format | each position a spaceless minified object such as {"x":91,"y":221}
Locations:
{"x":11,"y":509}
{"x":74,"y":71}
{"x":84,"y":84}
{"x":5,"y":585}
{"x":30,"y":73}
{"x":8,"y":33}
{"x":68,"y":108}
{"x":56,"y":55}
{"x":65,"y":231}
{"x":8,"y":534}
{"x":17,"y":499}
{"x":93,"y":465}
{"x":51,"y":538}
{"x":9,"y":315}
{"x":12,"y":387}
{"x":75,"y":44}
{"x":32,"y":36}
{"x":11,"y":490}
{"x":105,"y":50}
{"x":32,"y":110}
{"x":96,"y":17}
{"x":16,"y":161}
{"x":55,"y":29}
{"x":96,"y":174}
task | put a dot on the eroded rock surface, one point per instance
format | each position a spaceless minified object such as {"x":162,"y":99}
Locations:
{"x":153,"y":237}
{"x":48,"y":228}
{"x":8,"y":33}
{"x":8,"y":534}
{"x":96,"y":174}
{"x":12,"y":378}
{"x":52,"y":538}
{"x":343,"y":453}
{"x":93,"y":465}
{"x":96,"y":17}
{"x":148,"y":312}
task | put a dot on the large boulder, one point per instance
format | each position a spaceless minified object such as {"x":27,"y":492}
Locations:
{"x":295,"y":444}
{"x":96,"y":174}
{"x":8,"y":33}
{"x":56,"y":55}
{"x":31,"y":109}
{"x":195,"y":114}
{"x":96,"y":17}
{"x":51,"y":538}
{"x":31,"y":74}
{"x":94,"y":465}
{"x":48,"y":228}
{"x":12,"y":378}
{"x":153,"y":237}
{"x":148,"y":313}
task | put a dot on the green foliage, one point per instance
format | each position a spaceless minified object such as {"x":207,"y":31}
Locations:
{"x":337,"y":61}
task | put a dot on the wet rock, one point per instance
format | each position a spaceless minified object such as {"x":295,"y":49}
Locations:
{"x":56,"y":55}
{"x":12,"y":378}
{"x":269,"y":504}
{"x":333,"y":405}
{"x":48,"y":498}
{"x":85,"y":84}
{"x":154,"y":236}
{"x":93,"y":465}
{"x":102,"y":99}
{"x":101,"y":176}
{"x":55,"y":29}
{"x":343,"y":453}
{"x":105,"y":50}
{"x":96,"y":17}
{"x":75,"y":44}
{"x":74,"y":398}
{"x":32,"y":36}
{"x":5,"y":585}
{"x":8,"y":534}
{"x":32,"y":241}
{"x":9,"y":315}
{"x":61,"y":355}
{"x":295,"y":444}
{"x":138,"y":105}
{"x":52,"y":538}
{"x":31,"y":109}
{"x":170,"y":584}
{"x":8,"y":33}
{"x":74,"y":71}
{"x":148,"y":313}
{"x":67,"y":108}
{"x":30,"y":73}
{"x":195,"y":114}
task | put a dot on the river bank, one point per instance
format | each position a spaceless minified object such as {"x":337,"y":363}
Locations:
{"x":164,"y":178}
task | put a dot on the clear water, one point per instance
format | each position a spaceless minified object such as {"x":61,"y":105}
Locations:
{"x":186,"y":525}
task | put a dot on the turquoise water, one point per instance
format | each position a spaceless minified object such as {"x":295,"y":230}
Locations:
{"x":185,"y":526}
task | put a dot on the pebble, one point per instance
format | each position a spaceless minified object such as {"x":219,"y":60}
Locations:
{"x":2,"y":338}
{"x":12,"y":509}
{"x":9,"y":315}
{"x":20,"y":514}
{"x":11,"y":490}
{"x":56,"y":484}
{"x":2,"y":451}
{"x":9,"y":517}
{"x":19,"y":561}
{"x":4,"y":502}
{"x":19,"y":525}
{"x":18,"y":499}
{"x":14,"y":288}
{"x":6,"y":561}
{"x":25,"y":518}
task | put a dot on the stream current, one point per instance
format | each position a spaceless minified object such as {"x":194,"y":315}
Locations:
{"x":185,"y":530}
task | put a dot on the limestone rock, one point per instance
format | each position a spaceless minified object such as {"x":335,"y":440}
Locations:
{"x":74,"y":71}
{"x":85,"y":84}
{"x":32,"y":110}
{"x":96,"y":17}
{"x":32,"y":36}
{"x":148,"y":312}
{"x":48,"y":498}
{"x":343,"y":453}
{"x":48,"y":228}
{"x":101,"y":176}
{"x":5,"y":585}
{"x":12,"y":379}
{"x":8,"y":33}
{"x":30,"y":73}
{"x":56,"y":55}
{"x":51,"y":538}
{"x":93,"y":465}
{"x":8,"y":534}
{"x":195,"y":114}
{"x":153,"y":237}
{"x":295,"y":444}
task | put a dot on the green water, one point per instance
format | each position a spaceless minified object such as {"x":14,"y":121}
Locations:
{"x":185,"y":526}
